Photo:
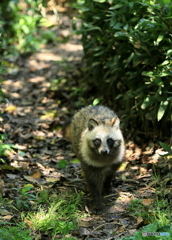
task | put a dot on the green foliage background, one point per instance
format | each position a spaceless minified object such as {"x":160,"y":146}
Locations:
{"x":20,"y":33}
{"x":128,"y":53}
{"x":127,"y":49}
{"x":20,"y":26}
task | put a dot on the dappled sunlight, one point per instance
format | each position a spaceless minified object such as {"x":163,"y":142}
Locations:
{"x":68,"y":52}
{"x":42,"y":93}
{"x":36,"y":79}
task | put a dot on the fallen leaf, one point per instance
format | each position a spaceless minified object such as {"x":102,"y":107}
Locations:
{"x":84,"y":231}
{"x":12,"y":176}
{"x":10,"y":109}
{"x":121,"y":229}
{"x":49,"y":114}
{"x":35,"y":174}
{"x":123,"y":167}
{"x":143,"y":170}
{"x":34,"y":180}
{"x":147,"y":202}
{"x":139,"y":220}
{"x":31,"y":179}
{"x":7,"y":217}
{"x":28,"y":222}
{"x":84,"y":224}
{"x":51,"y":179}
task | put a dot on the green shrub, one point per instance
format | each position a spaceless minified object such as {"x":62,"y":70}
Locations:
{"x":20,"y":23}
{"x":128,"y":53}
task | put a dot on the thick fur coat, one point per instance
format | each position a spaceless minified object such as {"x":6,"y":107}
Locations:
{"x":98,"y":143}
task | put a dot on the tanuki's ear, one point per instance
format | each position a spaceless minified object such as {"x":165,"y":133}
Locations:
{"x":115,"y":122}
{"x":92,"y":124}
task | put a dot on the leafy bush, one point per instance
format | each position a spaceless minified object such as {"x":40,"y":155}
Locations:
{"x":128,"y":52}
{"x":20,"y":25}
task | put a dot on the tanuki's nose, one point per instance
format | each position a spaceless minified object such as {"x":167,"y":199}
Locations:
{"x":104,"y":152}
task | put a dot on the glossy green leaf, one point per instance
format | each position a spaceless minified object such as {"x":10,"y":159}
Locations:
{"x":117,"y":6}
{"x":159,"y":39}
{"x":162,"y":109}
{"x":147,"y":102}
{"x":96,"y":101}
{"x":166,"y":147}
{"x":169,"y":52}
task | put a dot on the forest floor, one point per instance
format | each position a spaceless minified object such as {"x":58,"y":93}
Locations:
{"x":42,"y":92}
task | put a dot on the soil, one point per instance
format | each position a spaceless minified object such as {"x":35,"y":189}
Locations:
{"x":42,"y":94}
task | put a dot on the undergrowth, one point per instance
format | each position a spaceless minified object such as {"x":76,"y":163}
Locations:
{"x":127,"y":50}
{"x":49,"y":213}
{"x":157,"y":215}
{"x":15,"y":233}
{"x":58,"y":213}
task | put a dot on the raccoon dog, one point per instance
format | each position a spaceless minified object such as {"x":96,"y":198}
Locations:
{"x":98,"y":143}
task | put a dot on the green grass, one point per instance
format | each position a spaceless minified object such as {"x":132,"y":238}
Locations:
{"x":37,"y":211}
{"x":159,"y":211}
{"x":50,"y":213}
{"x":15,"y":233}
{"x":57,"y":215}
{"x":157,"y":214}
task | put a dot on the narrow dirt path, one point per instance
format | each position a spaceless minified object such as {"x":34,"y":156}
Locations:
{"x":39,"y":90}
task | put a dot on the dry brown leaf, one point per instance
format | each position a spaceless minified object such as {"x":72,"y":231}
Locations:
{"x":35,"y":174}
{"x":7,"y":217}
{"x":143,"y":170}
{"x":147,"y":202}
{"x":86,"y":219}
{"x":31,"y":179}
{"x":121,"y":229}
{"x":115,"y":209}
{"x":139,"y":220}
{"x":84,"y":224}
{"x":28,"y":222}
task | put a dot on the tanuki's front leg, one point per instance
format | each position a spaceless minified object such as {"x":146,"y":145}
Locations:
{"x":95,"y":179}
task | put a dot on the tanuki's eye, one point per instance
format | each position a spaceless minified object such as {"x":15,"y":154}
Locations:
{"x":110,"y":142}
{"x":97,"y":142}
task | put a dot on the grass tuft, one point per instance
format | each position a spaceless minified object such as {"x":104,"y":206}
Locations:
{"x":57,"y":214}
